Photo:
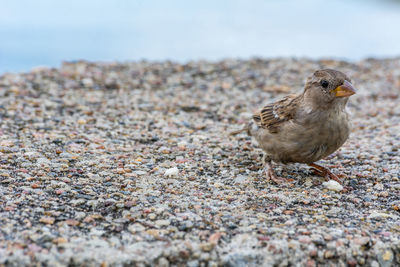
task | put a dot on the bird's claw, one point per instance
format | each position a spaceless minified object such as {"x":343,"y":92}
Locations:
{"x":271,"y":175}
{"x":324,"y":172}
{"x":333,"y":177}
{"x":317,"y":172}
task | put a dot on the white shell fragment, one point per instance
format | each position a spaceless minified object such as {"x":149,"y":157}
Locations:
{"x":333,"y":185}
{"x":171,"y":172}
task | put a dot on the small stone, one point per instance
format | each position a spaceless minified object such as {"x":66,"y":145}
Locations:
{"x":161,"y":223}
{"x":171,"y":172}
{"x":130,"y":203}
{"x":47,"y":220}
{"x":305,"y":239}
{"x":87,"y":82}
{"x":317,"y":239}
{"x":72,"y":222}
{"x":333,"y":186}
{"x":182,"y":144}
{"x":193,"y":263}
{"x":163,"y":262}
{"x":31,"y":155}
{"x":388,"y":255}
{"x":207,"y":246}
{"x":386,"y":234}
{"x":362,"y":241}
{"x":140,"y":172}
{"x":154,"y":233}
{"x":164,"y":150}
{"x":65,"y":155}
{"x":218,"y":185}
{"x":136,"y":227}
{"x":378,"y":186}
{"x":352,"y":263}
{"x":80,"y":215}
{"x":386,"y":258}
{"x":329,"y":254}
{"x":313,"y":253}
{"x":379,"y":215}
{"x":241,"y":179}
{"x":43,"y":161}
{"x":35,"y":185}
{"x":59,"y":240}
{"x":120,"y":171}
{"x":59,"y":191}
{"x":214,"y":238}
{"x":8,"y":149}
{"x":310,"y":263}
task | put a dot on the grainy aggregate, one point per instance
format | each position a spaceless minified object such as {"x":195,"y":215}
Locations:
{"x":119,"y":164}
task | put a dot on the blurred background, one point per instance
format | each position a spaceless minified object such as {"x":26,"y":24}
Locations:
{"x":47,"y":32}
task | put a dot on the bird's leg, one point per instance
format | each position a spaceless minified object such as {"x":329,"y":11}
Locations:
{"x":324,"y":172}
{"x":269,"y":171}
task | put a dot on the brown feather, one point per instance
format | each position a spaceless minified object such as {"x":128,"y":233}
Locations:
{"x":272,"y":115}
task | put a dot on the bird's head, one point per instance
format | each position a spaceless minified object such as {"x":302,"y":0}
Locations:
{"x":328,"y":87}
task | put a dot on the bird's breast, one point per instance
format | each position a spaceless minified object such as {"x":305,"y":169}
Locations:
{"x":321,"y":138}
{"x":307,"y":141}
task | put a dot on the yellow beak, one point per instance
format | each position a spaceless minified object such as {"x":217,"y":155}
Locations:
{"x":346,"y":89}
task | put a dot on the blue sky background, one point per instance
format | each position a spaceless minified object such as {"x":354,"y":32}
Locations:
{"x":47,"y":32}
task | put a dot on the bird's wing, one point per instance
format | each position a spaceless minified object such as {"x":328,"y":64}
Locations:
{"x":273,"y":115}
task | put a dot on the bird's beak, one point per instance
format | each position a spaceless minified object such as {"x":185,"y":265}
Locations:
{"x":346,"y":89}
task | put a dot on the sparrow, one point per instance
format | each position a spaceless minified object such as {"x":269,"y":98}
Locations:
{"x":305,"y":127}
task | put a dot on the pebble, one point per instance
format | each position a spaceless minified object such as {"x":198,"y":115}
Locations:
{"x":136,"y":227}
{"x":362,"y":241}
{"x":47,"y":220}
{"x":305,"y":239}
{"x":333,"y":185}
{"x":207,"y":246}
{"x":386,"y":258}
{"x":80,"y":215}
{"x":379,"y":215}
{"x":171,"y":172}
{"x":140,"y":173}
{"x":152,"y":216}
{"x":161,"y":223}
{"x":43,"y":161}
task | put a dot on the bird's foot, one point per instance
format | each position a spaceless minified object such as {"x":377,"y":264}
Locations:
{"x":324,"y":172}
{"x":271,"y":175}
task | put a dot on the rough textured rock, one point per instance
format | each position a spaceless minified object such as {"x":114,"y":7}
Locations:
{"x":85,"y":148}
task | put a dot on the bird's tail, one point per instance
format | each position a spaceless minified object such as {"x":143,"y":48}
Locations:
{"x":244,"y":129}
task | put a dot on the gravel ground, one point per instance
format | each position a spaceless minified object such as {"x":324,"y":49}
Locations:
{"x":118,"y":164}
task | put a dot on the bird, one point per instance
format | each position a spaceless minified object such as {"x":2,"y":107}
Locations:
{"x":304,"y":127}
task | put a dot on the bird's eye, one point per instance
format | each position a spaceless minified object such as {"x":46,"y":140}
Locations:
{"x":324,"y":83}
